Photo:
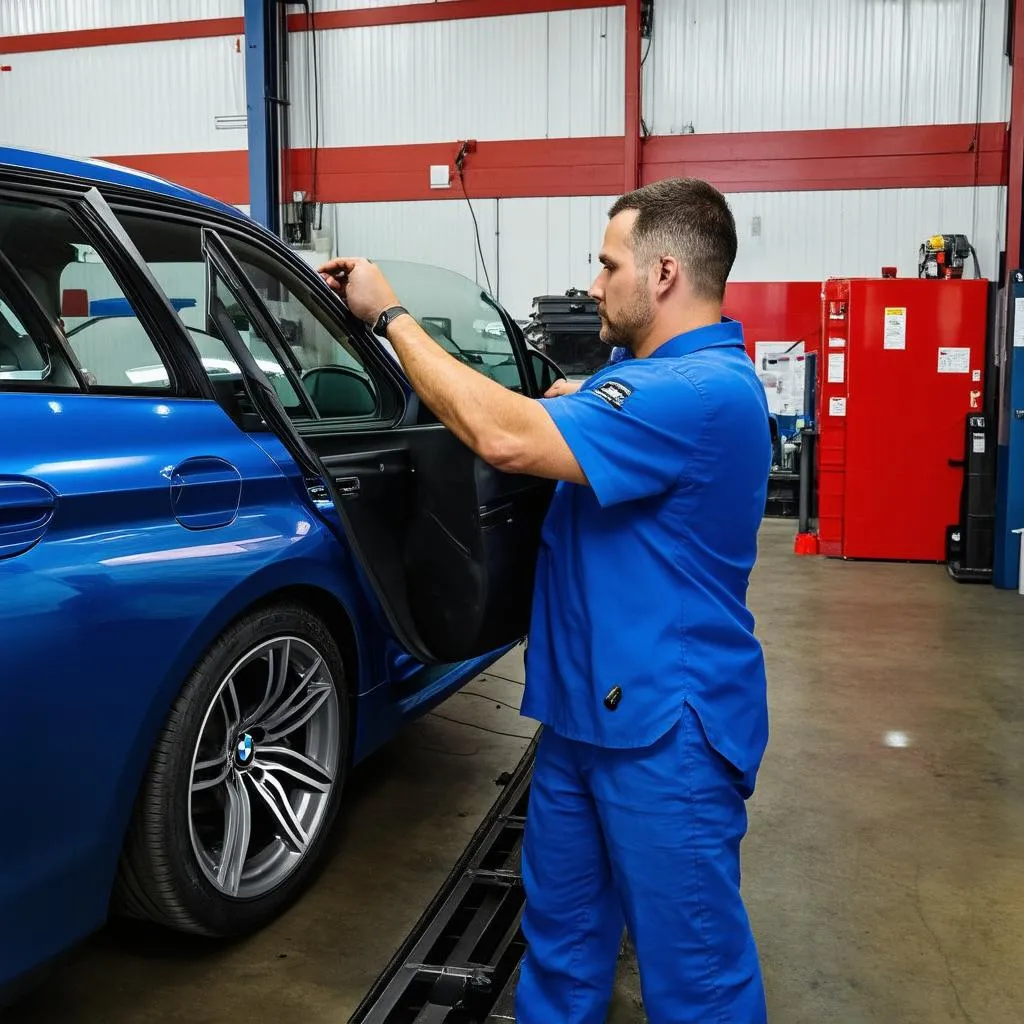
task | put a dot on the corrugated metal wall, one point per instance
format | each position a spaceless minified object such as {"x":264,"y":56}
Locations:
{"x":715,"y":65}
{"x":25,"y":17}
{"x":184,"y":96}
{"x":533,"y":76}
{"x":770,"y":65}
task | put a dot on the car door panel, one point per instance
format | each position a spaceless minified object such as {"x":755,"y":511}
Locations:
{"x":452,"y":537}
{"x":448,"y":543}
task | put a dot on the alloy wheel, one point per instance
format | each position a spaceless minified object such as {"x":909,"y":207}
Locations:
{"x":264,"y":767}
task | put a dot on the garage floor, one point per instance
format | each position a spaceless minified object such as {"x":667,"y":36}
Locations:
{"x":884,"y":869}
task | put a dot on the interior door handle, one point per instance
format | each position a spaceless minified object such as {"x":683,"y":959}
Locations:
{"x":348,"y":486}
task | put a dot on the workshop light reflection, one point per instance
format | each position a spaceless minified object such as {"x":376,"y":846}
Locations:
{"x":897,"y":739}
{"x":163,"y":410}
{"x":56,"y":407}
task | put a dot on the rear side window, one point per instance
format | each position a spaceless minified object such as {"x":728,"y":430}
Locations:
{"x":79,"y":292}
{"x":25,"y":359}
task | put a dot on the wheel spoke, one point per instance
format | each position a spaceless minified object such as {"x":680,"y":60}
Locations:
{"x":228,"y":700}
{"x":278,"y":658}
{"x":237,"y":829}
{"x":285,"y":761}
{"x":276,"y":799}
{"x":300,"y":707}
{"x":210,"y":773}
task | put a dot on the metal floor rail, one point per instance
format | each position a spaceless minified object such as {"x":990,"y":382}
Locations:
{"x":460,"y":963}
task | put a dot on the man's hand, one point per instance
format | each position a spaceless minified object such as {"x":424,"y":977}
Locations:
{"x":363,"y":287}
{"x":563,"y":387}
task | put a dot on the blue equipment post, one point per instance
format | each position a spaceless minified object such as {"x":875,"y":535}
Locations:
{"x":1010,"y":455}
{"x":264,"y":25}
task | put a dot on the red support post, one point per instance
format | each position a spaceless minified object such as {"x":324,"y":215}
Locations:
{"x":632,"y":120}
{"x":1015,"y":184}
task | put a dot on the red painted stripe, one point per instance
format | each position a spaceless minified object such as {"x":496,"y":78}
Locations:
{"x":916,"y":157}
{"x":224,"y":176}
{"x":444,"y":10}
{"x":920,"y":156}
{"x":156,"y":33}
{"x":529,"y":167}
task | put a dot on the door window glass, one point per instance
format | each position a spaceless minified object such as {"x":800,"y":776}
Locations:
{"x":459,"y":315}
{"x":24,"y":360}
{"x":78,"y":291}
{"x":321,"y":354}
{"x":330,"y":367}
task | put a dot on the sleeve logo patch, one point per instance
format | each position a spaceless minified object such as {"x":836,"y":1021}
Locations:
{"x":614,"y":392}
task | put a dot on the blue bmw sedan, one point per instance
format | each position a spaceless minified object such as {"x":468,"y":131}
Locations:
{"x":236,"y":552}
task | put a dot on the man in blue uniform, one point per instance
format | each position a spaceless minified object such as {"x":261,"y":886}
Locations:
{"x":642,"y":662}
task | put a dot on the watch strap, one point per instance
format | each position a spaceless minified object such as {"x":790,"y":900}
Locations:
{"x":384,"y":320}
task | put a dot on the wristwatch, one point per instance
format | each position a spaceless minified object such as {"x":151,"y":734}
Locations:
{"x":385,"y":319}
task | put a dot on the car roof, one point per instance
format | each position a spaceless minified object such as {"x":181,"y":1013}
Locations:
{"x":102,"y":172}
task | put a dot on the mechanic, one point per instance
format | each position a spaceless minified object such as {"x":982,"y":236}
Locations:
{"x":642,"y":663}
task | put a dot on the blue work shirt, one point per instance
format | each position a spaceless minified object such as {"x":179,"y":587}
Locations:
{"x":640,"y":595}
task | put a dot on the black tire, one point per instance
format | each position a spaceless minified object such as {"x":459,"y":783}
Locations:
{"x":159,"y":876}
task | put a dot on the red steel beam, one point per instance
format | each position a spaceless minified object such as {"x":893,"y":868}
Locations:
{"x":853,"y":158}
{"x":523,"y":168}
{"x":633,"y":113}
{"x":160,"y":32}
{"x":1015,"y":177}
{"x":919,"y":156}
{"x":444,"y":10}
{"x":225,"y":175}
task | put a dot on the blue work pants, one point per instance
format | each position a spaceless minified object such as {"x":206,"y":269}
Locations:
{"x":649,"y":839}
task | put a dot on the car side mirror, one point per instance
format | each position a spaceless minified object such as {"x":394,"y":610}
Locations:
{"x":545,"y":371}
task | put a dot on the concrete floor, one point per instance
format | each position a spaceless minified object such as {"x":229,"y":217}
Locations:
{"x":884,"y":869}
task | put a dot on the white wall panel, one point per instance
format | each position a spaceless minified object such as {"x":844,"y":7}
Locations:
{"x":769,"y":65}
{"x":437,"y":232}
{"x":522,"y":77}
{"x":140,"y":98}
{"x":24,"y":17}
{"x":547,"y":246}
{"x":813,"y":235}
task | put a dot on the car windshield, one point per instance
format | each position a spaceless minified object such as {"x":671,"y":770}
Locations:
{"x":458,"y":314}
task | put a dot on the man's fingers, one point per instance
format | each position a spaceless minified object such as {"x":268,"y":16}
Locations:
{"x":340,"y":265}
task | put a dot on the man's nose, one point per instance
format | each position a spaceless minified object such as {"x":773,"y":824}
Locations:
{"x":596,"y":291}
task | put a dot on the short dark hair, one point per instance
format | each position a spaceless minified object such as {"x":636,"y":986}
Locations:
{"x":689,"y":219}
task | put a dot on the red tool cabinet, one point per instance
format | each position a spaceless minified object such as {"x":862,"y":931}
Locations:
{"x":901,"y":364}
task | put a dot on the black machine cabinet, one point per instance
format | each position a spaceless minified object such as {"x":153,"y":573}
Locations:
{"x":970,"y":542}
{"x":568,"y":328}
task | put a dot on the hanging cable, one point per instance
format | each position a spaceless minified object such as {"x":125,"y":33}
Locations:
{"x":459,"y":161}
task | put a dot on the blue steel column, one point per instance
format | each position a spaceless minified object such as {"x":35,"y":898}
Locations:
{"x":261,"y":49}
{"x":1010,"y":455}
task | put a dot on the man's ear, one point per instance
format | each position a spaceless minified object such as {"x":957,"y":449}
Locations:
{"x":668,"y":274}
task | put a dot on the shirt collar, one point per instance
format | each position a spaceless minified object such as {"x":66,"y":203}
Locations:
{"x":726,"y":332}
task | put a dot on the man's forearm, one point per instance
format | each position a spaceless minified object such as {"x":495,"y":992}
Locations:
{"x":506,"y":429}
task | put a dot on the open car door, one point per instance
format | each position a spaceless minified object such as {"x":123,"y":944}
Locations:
{"x":447,"y":542}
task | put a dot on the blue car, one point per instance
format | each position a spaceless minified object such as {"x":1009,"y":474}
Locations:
{"x":237,"y":553}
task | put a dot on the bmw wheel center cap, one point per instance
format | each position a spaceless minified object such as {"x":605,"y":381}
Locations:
{"x":245,"y":751}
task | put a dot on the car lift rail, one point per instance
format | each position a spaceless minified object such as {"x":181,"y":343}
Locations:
{"x":460,"y":963}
